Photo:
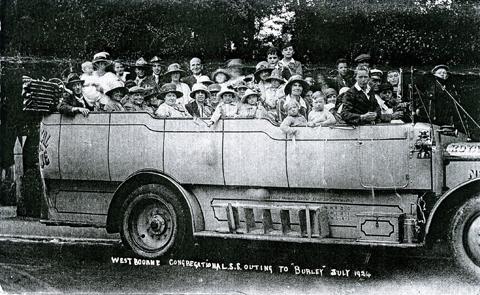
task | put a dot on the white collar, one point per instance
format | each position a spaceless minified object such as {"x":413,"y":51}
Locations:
{"x":291,"y":61}
{"x":360,"y":89}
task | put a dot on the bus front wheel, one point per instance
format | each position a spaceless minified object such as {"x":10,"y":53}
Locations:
{"x":154,"y":222}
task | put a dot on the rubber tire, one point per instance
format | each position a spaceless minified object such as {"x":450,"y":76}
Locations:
{"x":459,"y":226}
{"x":181,"y":233}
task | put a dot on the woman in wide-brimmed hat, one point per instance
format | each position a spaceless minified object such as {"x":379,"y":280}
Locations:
{"x":220,"y":76}
{"x":174,"y":73}
{"x":199,"y":107}
{"x":101,"y":77}
{"x":171,"y":108}
{"x":262,"y":72}
{"x":295,"y":90}
{"x":110,"y":102}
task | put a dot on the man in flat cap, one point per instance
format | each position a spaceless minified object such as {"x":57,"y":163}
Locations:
{"x":363,"y":60}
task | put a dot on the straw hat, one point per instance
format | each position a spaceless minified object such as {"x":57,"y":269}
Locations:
{"x":218,"y":71}
{"x":249,"y":93}
{"x":101,"y":56}
{"x":174,"y":68}
{"x":199,"y":87}
{"x":170,"y":87}
{"x":437,"y":67}
{"x":224,"y":90}
{"x":204,"y":80}
{"x":214,"y":88}
{"x":261,"y":67}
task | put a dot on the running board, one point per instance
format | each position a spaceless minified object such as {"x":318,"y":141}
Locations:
{"x":279,"y":237}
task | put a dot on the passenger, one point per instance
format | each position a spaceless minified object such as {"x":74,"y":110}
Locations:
{"x":174,"y":73}
{"x":310,"y":80}
{"x":196,"y":67}
{"x":295,"y":90}
{"x":171,"y":108}
{"x":220,"y":76}
{"x":287,"y":62}
{"x":363,"y":60}
{"x":151,"y":99}
{"x":343,"y":77}
{"x":156,"y":63}
{"x":308,"y":100}
{"x":249,"y":81}
{"x":87,"y":76}
{"x":360,"y":105}
{"x":75,"y":103}
{"x":227,"y":108}
{"x":240,"y":88}
{"x":273,"y":58}
{"x":320,"y":83}
{"x":293,"y":119}
{"x":273,"y":93}
{"x":205,"y":80}
{"x":250,"y":107}
{"x":331,"y":97}
{"x":393,"y":77}
{"x":199,"y":107}
{"x":102,"y":78}
{"x":137,"y":102}
{"x":111,"y":101}
{"x":235,"y":68}
{"x":262,"y":72}
{"x":119,"y":69}
{"x":319,"y":116}
{"x":213,"y":100}
{"x":143,"y":79}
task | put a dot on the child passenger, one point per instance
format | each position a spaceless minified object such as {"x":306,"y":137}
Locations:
{"x":228,"y":108}
{"x":87,"y":76}
{"x":273,"y":93}
{"x":319,"y":116}
{"x":293,"y":119}
{"x":250,"y":107}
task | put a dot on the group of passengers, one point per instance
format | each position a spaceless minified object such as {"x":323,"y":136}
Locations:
{"x":276,"y":91}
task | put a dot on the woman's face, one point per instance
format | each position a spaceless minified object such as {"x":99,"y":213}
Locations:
{"x":227,"y":97}
{"x":393,"y":78}
{"x":170,"y":99}
{"x":137,"y":98}
{"x":252,"y":100}
{"x":117,"y":95}
{"x":241,"y":91}
{"x":297,"y":89}
{"x":119,"y":68}
{"x":220,"y":78}
{"x":175,"y":77}
{"x":200,"y":96}
{"x":100,"y":65}
{"x":441,"y":73}
{"x":332,"y":98}
{"x":140,"y":72}
{"x":264,"y":75}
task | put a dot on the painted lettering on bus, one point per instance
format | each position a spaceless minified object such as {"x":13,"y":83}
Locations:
{"x":473,"y":173}
{"x":42,"y":149}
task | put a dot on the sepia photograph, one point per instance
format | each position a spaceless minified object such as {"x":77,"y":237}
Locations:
{"x":232,"y":147}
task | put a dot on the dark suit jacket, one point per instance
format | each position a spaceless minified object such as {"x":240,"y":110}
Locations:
{"x":338,"y":82}
{"x":189,"y":80}
{"x":192,"y":109}
{"x":69,"y":102}
{"x":355,"y":103}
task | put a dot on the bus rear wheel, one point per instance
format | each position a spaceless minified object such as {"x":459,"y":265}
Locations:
{"x":154,"y":222}
{"x":464,"y":236}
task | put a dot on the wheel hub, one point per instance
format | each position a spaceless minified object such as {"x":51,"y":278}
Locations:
{"x":157,"y":224}
{"x":473,"y":239}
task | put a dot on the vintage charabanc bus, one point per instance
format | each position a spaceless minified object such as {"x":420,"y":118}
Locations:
{"x":162,"y":182}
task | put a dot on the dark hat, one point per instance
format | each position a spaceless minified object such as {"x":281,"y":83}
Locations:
{"x":248,"y":78}
{"x":170,"y":87}
{"x":218,"y":71}
{"x":385,"y":86}
{"x":130,"y":83}
{"x":437,"y":67}
{"x":261,"y":67}
{"x":285,"y":45}
{"x":276,"y":75}
{"x":101,"y":56}
{"x":150,"y":93}
{"x":364,"y":57}
{"x":293,"y":79}
{"x":239,"y":85}
{"x":73,"y":78}
{"x":174,"y":68}
{"x":141,"y":63}
{"x":330,"y":91}
{"x":155,"y":59}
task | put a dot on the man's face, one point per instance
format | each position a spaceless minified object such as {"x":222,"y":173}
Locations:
{"x":362,"y":78}
{"x":364,"y":64}
{"x":342,"y":68}
{"x":77,"y":88}
{"x":119,"y":68}
{"x":375,"y":83}
{"x":318,"y":104}
{"x":441,"y":73}
{"x":293,"y":110}
{"x":200,"y":96}
{"x":297,"y":89}
{"x":140,"y":72}
{"x":287,"y":52}
{"x":156,"y":68}
{"x":170,"y":99}
{"x":196,"y":66}
{"x":393,"y":78}
{"x":272,"y":60}
{"x":386,"y":94}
